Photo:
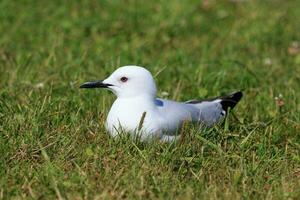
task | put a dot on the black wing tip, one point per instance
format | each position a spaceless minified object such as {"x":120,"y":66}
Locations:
{"x":231,"y":100}
{"x":237,"y":96}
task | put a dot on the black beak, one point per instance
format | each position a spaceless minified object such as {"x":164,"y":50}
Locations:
{"x":95,"y":84}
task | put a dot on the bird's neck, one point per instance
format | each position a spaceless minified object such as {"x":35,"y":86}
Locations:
{"x":140,"y":100}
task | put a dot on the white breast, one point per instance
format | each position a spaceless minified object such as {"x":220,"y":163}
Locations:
{"x":126,"y":116}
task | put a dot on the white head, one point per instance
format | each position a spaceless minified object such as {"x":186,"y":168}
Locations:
{"x":127,"y":82}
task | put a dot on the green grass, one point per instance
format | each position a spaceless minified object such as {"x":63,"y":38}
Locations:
{"x":52,"y":139}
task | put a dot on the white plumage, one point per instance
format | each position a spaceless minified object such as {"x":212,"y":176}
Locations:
{"x":137,"y":110}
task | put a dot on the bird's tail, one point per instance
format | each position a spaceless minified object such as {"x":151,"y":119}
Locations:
{"x":230,"y":101}
{"x":213,"y":110}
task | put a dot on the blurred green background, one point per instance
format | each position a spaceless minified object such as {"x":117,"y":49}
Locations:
{"x":52,"y":140}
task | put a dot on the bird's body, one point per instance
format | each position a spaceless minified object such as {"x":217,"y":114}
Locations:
{"x":162,"y":117}
{"x":137,"y":110}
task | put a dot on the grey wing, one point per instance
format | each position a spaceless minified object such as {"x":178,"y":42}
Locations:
{"x":173,"y":113}
{"x":213,"y":110}
{"x":210,"y":112}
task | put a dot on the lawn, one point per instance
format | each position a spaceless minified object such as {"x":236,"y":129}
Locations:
{"x":52,"y":138}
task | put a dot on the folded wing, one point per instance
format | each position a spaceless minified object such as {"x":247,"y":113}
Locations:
{"x":213,"y":110}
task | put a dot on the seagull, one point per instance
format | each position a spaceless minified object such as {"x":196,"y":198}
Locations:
{"x":138,"y":112}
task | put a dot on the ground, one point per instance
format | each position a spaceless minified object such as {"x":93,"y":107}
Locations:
{"x":52,"y":138}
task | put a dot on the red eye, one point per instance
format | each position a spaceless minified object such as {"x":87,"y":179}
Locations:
{"x":124,"y":79}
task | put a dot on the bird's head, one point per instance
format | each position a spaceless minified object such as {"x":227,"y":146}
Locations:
{"x":127,"y":82}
